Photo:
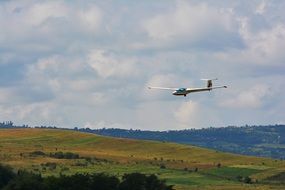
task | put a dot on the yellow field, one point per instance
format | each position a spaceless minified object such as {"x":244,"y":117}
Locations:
{"x":124,"y":155}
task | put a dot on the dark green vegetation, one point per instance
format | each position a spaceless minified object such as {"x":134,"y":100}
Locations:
{"x":265,"y":141}
{"x":23,"y":180}
{"x":52,"y":153}
{"x":280,"y":177}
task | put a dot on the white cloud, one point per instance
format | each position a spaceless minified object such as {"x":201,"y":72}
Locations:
{"x":262,"y":47}
{"x":194,"y":24}
{"x":66,"y":79}
{"x":36,"y":113}
{"x":167,"y":80}
{"x":83,"y":98}
{"x":38,"y":13}
{"x":187,"y":113}
{"x":266,"y":47}
{"x":251,"y":98}
{"x":196,"y":114}
{"x":5,"y":94}
{"x":70,"y":63}
{"x":47,"y":26}
{"x":90,"y":18}
{"x":107,"y":65}
{"x":155,"y":115}
{"x":261,"y":8}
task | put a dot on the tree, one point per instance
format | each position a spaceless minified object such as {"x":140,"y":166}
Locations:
{"x":24,"y":181}
{"x":6,"y":174}
{"x":73,"y":182}
{"x":134,"y":181}
{"x":153,"y":183}
{"x":138,"y":181}
{"x":104,"y":182}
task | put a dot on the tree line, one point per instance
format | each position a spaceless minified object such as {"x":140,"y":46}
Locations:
{"x":23,"y":180}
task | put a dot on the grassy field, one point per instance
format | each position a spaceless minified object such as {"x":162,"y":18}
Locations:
{"x":186,"y":167}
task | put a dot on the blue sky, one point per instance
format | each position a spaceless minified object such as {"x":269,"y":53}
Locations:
{"x":88,"y":63}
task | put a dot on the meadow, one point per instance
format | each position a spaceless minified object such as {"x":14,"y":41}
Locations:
{"x":56,"y":151}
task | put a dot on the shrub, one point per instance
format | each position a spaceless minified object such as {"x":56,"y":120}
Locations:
{"x":219,"y":165}
{"x":66,"y":155}
{"x":247,"y":180}
{"x":37,"y":153}
{"x":162,"y":166}
{"x":50,"y":165}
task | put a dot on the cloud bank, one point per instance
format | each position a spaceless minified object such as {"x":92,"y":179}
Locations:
{"x":76,"y":64}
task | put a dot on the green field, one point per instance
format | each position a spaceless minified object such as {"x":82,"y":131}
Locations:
{"x":186,"y":167}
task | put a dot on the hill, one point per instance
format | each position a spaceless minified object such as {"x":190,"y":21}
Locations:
{"x":265,"y":141}
{"x":54,"y":152}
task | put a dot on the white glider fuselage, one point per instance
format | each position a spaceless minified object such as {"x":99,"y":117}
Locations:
{"x":185,"y":91}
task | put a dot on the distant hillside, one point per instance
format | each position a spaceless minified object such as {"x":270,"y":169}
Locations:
{"x":265,"y":141}
{"x":53,"y":152}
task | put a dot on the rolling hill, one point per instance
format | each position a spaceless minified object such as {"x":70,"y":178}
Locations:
{"x":264,"y":141}
{"x":56,"y":151}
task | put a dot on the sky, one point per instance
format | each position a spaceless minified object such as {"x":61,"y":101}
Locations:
{"x":88,"y":63}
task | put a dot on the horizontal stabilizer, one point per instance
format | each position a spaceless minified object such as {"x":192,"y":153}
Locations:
{"x":210,"y":79}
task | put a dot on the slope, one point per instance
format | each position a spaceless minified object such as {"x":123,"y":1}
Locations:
{"x":265,"y":141}
{"x":184,"y":166}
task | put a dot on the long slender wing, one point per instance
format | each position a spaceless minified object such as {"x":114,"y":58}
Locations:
{"x":161,"y":88}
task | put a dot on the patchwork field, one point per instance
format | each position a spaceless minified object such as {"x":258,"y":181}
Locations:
{"x":54,"y":152}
